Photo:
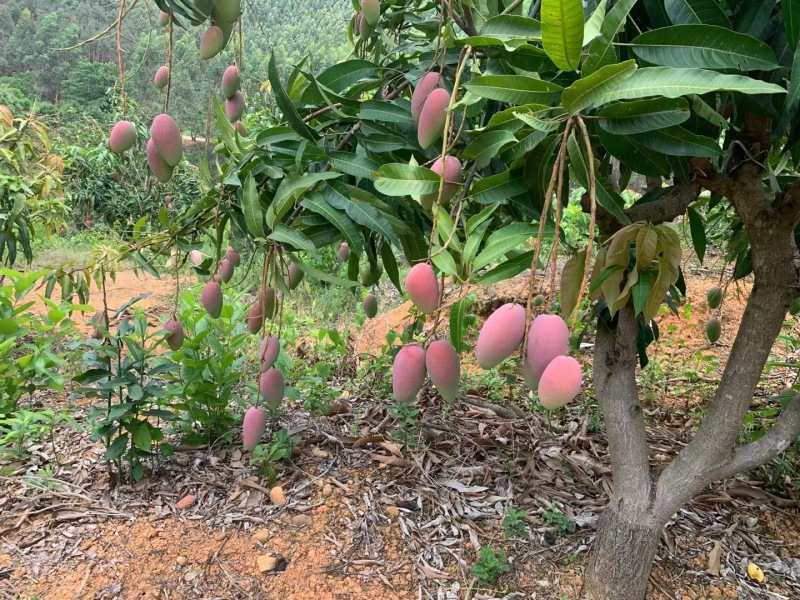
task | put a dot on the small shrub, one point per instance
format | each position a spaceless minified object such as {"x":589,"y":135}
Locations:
{"x":490,"y":565}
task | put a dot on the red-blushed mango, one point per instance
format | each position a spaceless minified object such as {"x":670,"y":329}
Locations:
{"x":713,"y":330}
{"x":344,"y":252}
{"x":372,"y":11}
{"x":163,"y":18}
{"x":175,"y":334}
{"x":231,"y":81}
{"x":294,"y":276}
{"x":548,"y":337}
{"x":123,"y":137}
{"x":408,"y":373}
{"x":233,"y":256}
{"x":255,"y":318}
{"x":432,"y":117}
{"x":370,"y":305}
{"x":560,"y":382}
{"x":228,"y":10}
{"x":450,"y":169}
{"x":158,"y":166}
{"x":426,"y":84}
{"x":268,"y":352}
{"x":360,"y":25}
{"x":270,"y":303}
{"x":714,"y":297}
{"x":212,"y":43}
{"x":225,"y":270}
{"x":234,"y":107}
{"x":162,"y":77}
{"x":500,"y":335}
{"x":196,"y":257}
{"x":423,"y":288}
{"x":241,"y":129}
{"x":167,"y":137}
{"x":444,"y":368}
{"x":272,"y":387}
{"x":253,"y":426}
{"x":211,"y":299}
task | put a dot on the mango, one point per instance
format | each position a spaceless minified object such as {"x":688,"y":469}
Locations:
{"x":423,"y":288}
{"x":158,"y":166}
{"x":123,"y":137}
{"x":253,"y":426}
{"x":408,"y":373}
{"x":372,"y":11}
{"x":450,"y":169}
{"x":432,"y":118}
{"x":548,"y":337}
{"x":255,"y":318}
{"x":234,"y":107}
{"x":225,"y":270}
{"x":426,"y":84}
{"x":714,"y":297}
{"x":166,"y":136}
{"x":196,"y":257}
{"x":368,"y":278}
{"x":162,"y":77}
{"x":211,"y":299}
{"x":231,"y":81}
{"x":713,"y":329}
{"x":294,"y":276}
{"x":270,"y":303}
{"x":272,"y":387}
{"x":500,"y":335}
{"x":241,"y":129}
{"x":344,"y":252}
{"x":175,"y":334}
{"x":444,"y":368}
{"x":268,"y":352}
{"x":228,"y":10}
{"x":233,"y":256}
{"x":370,"y":305}
{"x":560,"y":382}
{"x":163,"y":18}
{"x":212,"y":43}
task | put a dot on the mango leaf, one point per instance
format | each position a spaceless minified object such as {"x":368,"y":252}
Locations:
{"x":502,"y":241}
{"x":646,"y":244}
{"x":293,"y":237}
{"x":398,"y":179}
{"x":251,"y":207}
{"x":444,"y":261}
{"x":635,"y":155}
{"x":562,"y":32}
{"x":698,"y":230}
{"x":384,"y":112}
{"x":591,"y":28}
{"x":512,"y":27}
{"x":704,"y":47}
{"x":486,"y":146}
{"x":390,"y":266}
{"x":285,"y":103}
{"x":676,"y":141}
{"x":507,"y":269}
{"x":225,"y":127}
{"x":353,"y":164}
{"x":601,"y":50}
{"x":640,"y":291}
{"x":360,"y":211}
{"x":791,"y":18}
{"x":513,"y":89}
{"x":458,"y":325}
{"x":316,"y":203}
{"x":586,"y":92}
{"x":686,"y":12}
{"x":639,"y":116}
{"x":571,"y":280}
{"x":606,"y":198}
{"x":315,"y":273}
{"x":289,"y":190}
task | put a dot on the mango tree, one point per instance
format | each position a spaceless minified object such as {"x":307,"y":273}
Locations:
{"x":452,"y":137}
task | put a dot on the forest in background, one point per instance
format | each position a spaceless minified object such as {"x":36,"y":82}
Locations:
{"x":44,"y":62}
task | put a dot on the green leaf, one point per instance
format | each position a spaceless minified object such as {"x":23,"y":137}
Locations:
{"x":571,"y":280}
{"x":687,"y":12}
{"x":341,"y":76}
{"x":562,"y":32}
{"x":360,"y":211}
{"x":390,"y":266}
{"x":486,"y":146}
{"x":791,"y":18}
{"x":635,"y":155}
{"x":398,"y":179}
{"x":639,"y":116}
{"x":507,"y":269}
{"x":444,"y":261}
{"x":676,"y":141}
{"x":601,"y":50}
{"x":285,"y":103}
{"x":697,"y":228}
{"x":794,"y":83}
{"x":592,"y":27}
{"x":585,"y":92}
{"x":384,"y":112}
{"x":458,"y":325}
{"x":293,"y":237}
{"x":225,"y":127}
{"x":704,"y":47}
{"x":502,"y":241}
{"x":116,"y":448}
{"x":498,"y":188}
{"x":251,"y":207}
{"x":444,"y":225}
{"x":513,"y":89}
{"x":315,"y":273}
{"x":640,"y":291}
{"x":353,"y":164}
{"x":141,"y":437}
{"x":512,"y":27}
{"x":664,"y":81}
{"x":338,"y":218}
{"x":289,"y":190}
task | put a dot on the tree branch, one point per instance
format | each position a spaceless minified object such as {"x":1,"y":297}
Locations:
{"x":464,"y":25}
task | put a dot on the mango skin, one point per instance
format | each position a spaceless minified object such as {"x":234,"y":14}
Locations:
{"x":270,"y":300}
{"x":211,"y":299}
{"x":225,"y":270}
{"x":228,"y":10}
{"x":158,"y":166}
{"x":444,"y":368}
{"x":268,"y":352}
{"x":714,"y":297}
{"x":212,"y":43}
{"x":344,"y":252}
{"x":255,"y":318}
{"x":234,"y":107}
{"x":253,"y":426}
{"x":233,"y":256}
{"x":500,"y":335}
{"x":166,"y":136}
{"x":370,"y":305}
{"x":241,"y":129}
{"x":422,"y":288}
{"x":548,"y":337}
{"x":408,"y":373}
{"x":122,"y":137}
{"x":426,"y":84}
{"x":450,"y":169}
{"x":713,"y":330}
{"x":560,"y":382}
{"x":272,"y":387}
{"x":231,"y":81}
{"x":175,"y":334}
{"x":432,"y":118}
{"x":163,"y":18}
{"x":372,"y":11}
{"x":294,"y":276}
{"x":161,"y":78}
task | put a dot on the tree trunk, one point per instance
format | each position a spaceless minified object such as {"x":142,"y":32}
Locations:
{"x":623,"y":555}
